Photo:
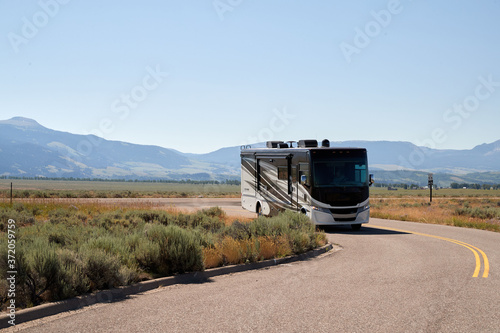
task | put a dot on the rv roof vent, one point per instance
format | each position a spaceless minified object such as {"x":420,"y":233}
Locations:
{"x":325,"y":143}
{"x":282,"y":145}
{"x":308,"y":143}
{"x":274,"y":144}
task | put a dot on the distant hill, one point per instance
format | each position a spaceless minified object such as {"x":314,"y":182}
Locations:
{"x":30,"y":149}
{"x":389,"y":155}
{"x":440,"y":179}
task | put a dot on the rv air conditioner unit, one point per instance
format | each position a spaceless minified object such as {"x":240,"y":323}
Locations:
{"x":308,"y":143}
{"x":276,"y":144}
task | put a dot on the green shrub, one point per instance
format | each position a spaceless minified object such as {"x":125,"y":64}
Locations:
{"x":127,"y":276}
{"x":150,"y":216}
{"x":39,"y":273}
{"x":239,"y":230}
{"x":147,"y":255}
{"x":102,"y":269}
{"x":112,"y":245}
{"x":206,"y":220}
{"x":214,"y":212}
{"x":300,"y":241}
{"x":17,"y":212}
{"x":74,"y":278}
{"x":79,"y":250}
{"x":180,"y":251}
{"x":482,"y":213}
{"x":281,"y":224}
{"x":133,"y":240}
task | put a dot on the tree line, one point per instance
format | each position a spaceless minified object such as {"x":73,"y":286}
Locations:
{"x":475,"y":186}
{"x":182,"y":181}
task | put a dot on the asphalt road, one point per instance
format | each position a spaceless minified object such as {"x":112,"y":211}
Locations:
{"x":380,"y":281}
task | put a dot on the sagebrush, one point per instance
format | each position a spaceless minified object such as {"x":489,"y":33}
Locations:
{"x":70,"y":250}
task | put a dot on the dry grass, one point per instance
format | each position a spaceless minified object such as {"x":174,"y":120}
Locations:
{"x":479,"y":213}
{"x":212,"y":257}
{"x":267,"y":248}
{"x":231,"y":251}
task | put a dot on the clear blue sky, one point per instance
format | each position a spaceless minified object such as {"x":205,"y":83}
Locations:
{"x":200,"y":75}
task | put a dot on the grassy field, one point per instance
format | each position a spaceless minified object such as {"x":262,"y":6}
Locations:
{"x":64,"y":250}
{"x":377,"y":192}
{"x":469,"y":208}
{"x":471,"y":212}
{"x":107,"y":189}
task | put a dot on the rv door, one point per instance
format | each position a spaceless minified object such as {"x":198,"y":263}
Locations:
{"x":257,"y":176}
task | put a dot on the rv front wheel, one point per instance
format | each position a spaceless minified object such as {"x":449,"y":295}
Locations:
{"x":259,"y":210}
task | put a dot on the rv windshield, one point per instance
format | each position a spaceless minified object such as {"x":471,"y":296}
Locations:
{"x":343,"y":171}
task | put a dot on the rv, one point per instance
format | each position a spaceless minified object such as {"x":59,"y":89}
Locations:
{"x":330,"y":185}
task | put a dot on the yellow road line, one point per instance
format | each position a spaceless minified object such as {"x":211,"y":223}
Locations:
{"x":474,"y":249}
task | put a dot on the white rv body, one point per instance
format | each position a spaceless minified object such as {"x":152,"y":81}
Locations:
{"x":330,"y":185}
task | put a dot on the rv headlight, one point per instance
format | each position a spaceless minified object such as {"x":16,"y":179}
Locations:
{"x":319,"y":209}
{"x":366,"y":207}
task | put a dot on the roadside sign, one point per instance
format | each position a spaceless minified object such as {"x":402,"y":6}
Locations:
{"x":430,"y":183}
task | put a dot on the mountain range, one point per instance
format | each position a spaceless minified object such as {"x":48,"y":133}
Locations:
{"x":28,"y":149}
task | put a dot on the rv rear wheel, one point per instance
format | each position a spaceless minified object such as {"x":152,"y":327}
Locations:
{"x":356,"y":226}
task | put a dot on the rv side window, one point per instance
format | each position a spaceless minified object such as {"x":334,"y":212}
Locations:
{"x":360,"y":173}
{"x":304,"y":171}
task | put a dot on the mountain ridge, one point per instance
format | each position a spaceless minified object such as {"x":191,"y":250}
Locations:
{"x":32,"y":150}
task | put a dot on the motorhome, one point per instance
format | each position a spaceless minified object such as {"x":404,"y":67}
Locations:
{"x":328,"y":184}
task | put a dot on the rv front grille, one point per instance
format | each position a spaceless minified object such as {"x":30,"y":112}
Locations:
{"x":344,"y":211}
{"x":350,"y":219}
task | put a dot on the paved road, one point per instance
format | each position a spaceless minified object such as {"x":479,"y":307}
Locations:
{"x":381,"y":281}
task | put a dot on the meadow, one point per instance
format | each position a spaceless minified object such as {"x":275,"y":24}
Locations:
{"x":23,"y":188}
{"x":382,"y":192}
{"x":469,"y":208}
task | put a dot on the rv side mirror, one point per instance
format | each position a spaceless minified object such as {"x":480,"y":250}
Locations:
{"x":371,"y":179}
{"x":303,"y":179}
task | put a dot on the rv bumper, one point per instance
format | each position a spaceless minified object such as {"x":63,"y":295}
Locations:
{"x":325,"y":217}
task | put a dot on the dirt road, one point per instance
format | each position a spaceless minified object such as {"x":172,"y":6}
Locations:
{"x":232,"y":206}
